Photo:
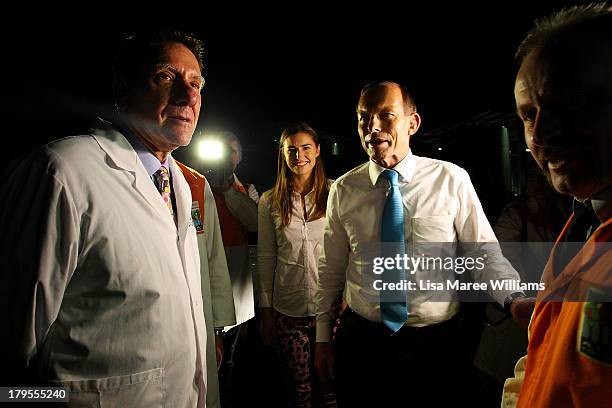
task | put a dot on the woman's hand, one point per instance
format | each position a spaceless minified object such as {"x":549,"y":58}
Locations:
{"x":219,"y":350}
{"x":268,"y":329}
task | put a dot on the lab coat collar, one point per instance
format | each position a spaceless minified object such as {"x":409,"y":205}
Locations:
{"x":122,"y":156}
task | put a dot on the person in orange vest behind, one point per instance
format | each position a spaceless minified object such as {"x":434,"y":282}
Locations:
{"x":214,"y":275}
{"x":563,"y":93}
{"x":237,"y":209}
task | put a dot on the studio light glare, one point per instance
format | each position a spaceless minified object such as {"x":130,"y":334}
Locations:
{"x":210,"y":149}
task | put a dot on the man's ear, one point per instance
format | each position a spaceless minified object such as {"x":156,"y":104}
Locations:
{"x":415,"y":123}
{"x":119,"y":90}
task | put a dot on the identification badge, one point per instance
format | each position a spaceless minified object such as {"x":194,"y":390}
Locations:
{"x":594,"y":335}
{"x":196,"y":217}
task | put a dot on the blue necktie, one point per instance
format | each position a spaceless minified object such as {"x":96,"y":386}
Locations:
{"x":393,"y":307}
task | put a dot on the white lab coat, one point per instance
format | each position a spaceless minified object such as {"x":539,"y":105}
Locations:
{"x":100,"y":289}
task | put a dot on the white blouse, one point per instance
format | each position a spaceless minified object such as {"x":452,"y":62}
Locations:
{"x":287,"y":258}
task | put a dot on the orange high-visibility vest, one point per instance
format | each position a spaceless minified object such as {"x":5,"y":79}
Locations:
{"x":197,"y":183}
{"x":569,"y":358}
{"x":232,"y":231}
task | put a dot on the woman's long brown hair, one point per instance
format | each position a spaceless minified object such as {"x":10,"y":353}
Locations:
{"x":283,"y":187}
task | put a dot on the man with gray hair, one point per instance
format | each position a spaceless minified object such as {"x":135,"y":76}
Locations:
{"x":100,"y":284}
{"x":563,"y":94}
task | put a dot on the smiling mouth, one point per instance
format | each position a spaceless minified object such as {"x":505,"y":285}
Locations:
{"x":556,"y":159}
{"x":300,"y":164}
{"x":377,"y":143}
{"x":556,"y":164}
{"x":562,"y":163}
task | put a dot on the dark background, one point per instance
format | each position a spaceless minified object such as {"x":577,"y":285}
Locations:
{"x":269,"y":66}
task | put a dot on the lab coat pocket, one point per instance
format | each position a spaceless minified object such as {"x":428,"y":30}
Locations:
{"x":144,"y":389}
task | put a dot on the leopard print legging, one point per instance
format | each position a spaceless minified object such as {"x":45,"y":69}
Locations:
{"x":296,"y":340}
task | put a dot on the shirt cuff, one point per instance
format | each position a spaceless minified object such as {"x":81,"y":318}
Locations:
{"x":500,"y":295}
{"x":324,"y":329}
{"x":265,"y":299}
{"x":221,"y":323}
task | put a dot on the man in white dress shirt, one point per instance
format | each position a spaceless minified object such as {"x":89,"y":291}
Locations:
{"x":371,"y":363}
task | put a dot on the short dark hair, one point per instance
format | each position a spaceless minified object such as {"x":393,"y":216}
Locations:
{"x":137,"y":52}
{"x":406,"y":94}
{"x":594,"y":18}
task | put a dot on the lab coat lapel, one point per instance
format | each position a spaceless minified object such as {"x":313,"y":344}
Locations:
{"x":182,"y":194}
{"x":122,"y":156}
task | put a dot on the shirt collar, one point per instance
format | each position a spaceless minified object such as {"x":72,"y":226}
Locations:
{"x":297,"y":195}
{"x":148,"y":159}
{"x":602,"y":204}
{"x":406,"y":168}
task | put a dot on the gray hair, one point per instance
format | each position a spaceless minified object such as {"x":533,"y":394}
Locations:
{"x":594,"y":17}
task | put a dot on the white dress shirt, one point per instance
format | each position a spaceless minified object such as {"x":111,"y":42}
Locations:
{"x":440,"y":206}
{"x":287,"y":258}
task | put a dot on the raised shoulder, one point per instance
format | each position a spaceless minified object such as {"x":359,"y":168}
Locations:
{"x":266,"y":197}
{"x":191,"y":175}
{"x":428,"y":165}
{"x":350,"y":175}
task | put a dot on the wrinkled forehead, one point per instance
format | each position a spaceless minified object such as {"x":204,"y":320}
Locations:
{"x":573,"y":63}
{"x":173,"y":56}
{"x":381,"y":97}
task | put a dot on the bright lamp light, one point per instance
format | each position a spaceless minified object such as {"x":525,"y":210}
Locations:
{"x":210,"y":149}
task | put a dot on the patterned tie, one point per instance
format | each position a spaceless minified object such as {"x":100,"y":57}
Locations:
{"x":393,"y":307}
{"x":162,"y":179}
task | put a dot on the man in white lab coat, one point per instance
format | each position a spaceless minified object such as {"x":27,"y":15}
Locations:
{"x":100,"y":285}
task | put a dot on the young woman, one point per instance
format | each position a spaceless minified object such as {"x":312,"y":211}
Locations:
{"x":291,"y":219}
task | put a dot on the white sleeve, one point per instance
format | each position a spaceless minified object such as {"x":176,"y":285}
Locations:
{"x":266,"y":252}
{"x":243,"y":207}
{"x":477,"y":238}
{"x":253,"y":193}
{"x":512,"y":386}
{"x":41,"y":225}
{"x":332,"y":268}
